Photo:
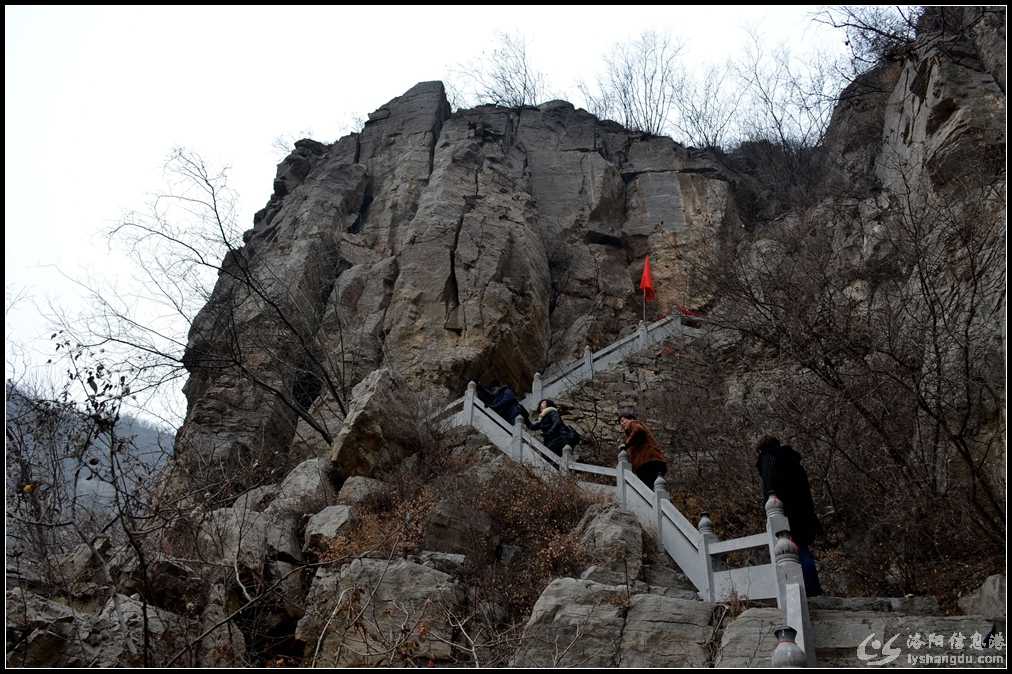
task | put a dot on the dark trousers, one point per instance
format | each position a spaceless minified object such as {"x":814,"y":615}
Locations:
{"x":650,"y":471}
{"x":812,"y":586}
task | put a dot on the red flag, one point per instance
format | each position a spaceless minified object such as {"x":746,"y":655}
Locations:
{"x":647,"y":283}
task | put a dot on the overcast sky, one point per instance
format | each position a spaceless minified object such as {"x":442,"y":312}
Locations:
{"x":95,"y":99}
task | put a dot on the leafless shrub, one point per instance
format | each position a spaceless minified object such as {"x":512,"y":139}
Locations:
{"x":506,"y":76}
{"x":641,"y":80}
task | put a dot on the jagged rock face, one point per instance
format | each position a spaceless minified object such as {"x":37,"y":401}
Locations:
{"x":247,"y":539}
{"x":929,"y":116}
{"x":47,"y":633}
{"x":50,"y":634}
{"x":854,"y":137}
{"x":945,"y":116}
{"x":448,"y":247}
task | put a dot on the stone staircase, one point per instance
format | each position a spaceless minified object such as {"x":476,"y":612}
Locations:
{"x":670,"y":613}
{"x":634,"y":608}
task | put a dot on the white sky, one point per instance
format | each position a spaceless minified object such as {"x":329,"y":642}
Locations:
{"x":95,"y":98}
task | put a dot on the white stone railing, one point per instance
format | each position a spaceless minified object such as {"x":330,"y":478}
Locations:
{"x":697,"y":551}
{"x":558,"y":380}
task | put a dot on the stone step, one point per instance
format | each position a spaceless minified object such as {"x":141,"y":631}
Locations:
{"x":908,"y":605}
{"x":856,"y":638}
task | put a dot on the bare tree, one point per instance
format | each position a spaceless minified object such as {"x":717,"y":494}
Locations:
{"x":506,"y":76}
{"x":641,"y":80}
{"x":707,"y":108}
{"x":785,"y":113}
{"x":873,"y":31}
{"x":233,"y":316}
{"x":789,"y":102}
{"x":76,"y":476}
{"x":908,"y":343}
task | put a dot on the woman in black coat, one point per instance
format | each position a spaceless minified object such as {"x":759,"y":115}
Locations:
{"x":554,"y":432}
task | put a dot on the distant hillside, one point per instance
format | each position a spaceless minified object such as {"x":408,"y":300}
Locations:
{"x":42,"y":434}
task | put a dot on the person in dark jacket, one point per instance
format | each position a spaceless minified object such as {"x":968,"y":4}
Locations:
{"x":502,"y":400}
{"x":645,"y":455}
{"x":781,"y":473}
{"x":506,"y":405}
{"x":554,"y":432}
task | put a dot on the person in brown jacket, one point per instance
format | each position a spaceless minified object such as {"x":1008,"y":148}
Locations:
{"x":644,"y":454}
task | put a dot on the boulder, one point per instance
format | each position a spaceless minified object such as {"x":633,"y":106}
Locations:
{"x":456,"y":527}
{"x":666,"y":632}
{"x":575,"y":623}
{"x":325,"y":525}
{"x":118,"y":634}
{"x":392,"y":613}
{"x":306,"y":489}
{"x":580,"y":623}
{"x":613,"y":538}
{"x":988,"y":600}
{"x":321,"y":600}
{"x":249,"y":539}
{"x":257,"y":499}
{"x":379,"y":431}
{"x":358,"y":489}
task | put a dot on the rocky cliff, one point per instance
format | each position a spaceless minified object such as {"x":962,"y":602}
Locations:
{"x":323,"y":519}
{"x":482,"y":244}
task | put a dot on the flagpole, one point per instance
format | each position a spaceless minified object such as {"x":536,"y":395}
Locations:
{"x":644,"y":306}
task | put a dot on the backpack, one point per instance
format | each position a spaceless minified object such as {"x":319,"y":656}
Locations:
{"x":572,"y":437}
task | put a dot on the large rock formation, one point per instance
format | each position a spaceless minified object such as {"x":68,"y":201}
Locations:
{"x":446,"y":247}
{"x":434,"y":247}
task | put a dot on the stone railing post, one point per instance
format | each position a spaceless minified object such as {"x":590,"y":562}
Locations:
{"x":660,"y":496}
{"x":787,"y":653}
{"x":469,"y":403}
{"x":642,"y":335}
{"x":537,"y":388}
{"x":776,"y":521}
{"x":567,"y":458}
{"x":517,"y":439}
{"x":588,"y":362}
{"x":620,"y":470}
{"x":706,"y":538}
{"x":795,"y":599}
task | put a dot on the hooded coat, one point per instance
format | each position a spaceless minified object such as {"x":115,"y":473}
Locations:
{"x":781,"y":473}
